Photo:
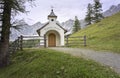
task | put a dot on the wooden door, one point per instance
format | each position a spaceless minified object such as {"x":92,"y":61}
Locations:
{"x":51,"y":40}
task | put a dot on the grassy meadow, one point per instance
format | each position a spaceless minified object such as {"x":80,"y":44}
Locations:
{"x":104,"y":35}
{"x":46,"y":63}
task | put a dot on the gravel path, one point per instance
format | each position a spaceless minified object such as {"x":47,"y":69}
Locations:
{"x":105,"y":58}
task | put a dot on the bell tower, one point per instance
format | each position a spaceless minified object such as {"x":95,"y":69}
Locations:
{"x":52,"y":17}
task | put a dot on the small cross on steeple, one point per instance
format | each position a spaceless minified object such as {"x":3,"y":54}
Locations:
{"x":52,"y":8}
{"x":52,"y":14}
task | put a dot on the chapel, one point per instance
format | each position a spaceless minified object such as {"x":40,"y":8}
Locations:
{"x":52,"y":31}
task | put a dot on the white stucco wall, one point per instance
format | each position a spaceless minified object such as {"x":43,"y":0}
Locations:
{"x":52,"y":27}
{"x":59,"y":33}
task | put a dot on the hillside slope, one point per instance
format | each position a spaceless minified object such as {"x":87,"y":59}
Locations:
{"x":104,"y":35}
{"x":46,"y":63}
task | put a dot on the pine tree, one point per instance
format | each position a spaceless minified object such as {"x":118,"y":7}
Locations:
{"x":97,"y":11}
{"x":89,"y":15}
{"x":4,"y":42}
{"x":76,"y":26}
{"x":9,"y":7}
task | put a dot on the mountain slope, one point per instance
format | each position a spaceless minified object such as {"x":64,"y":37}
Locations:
{"x":104,"y":35}
{"x":25,"y":30}
{"x":112,"y":10}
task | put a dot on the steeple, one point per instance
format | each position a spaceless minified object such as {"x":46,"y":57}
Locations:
{"x":52,"y":17}
{"x":52,"y":14}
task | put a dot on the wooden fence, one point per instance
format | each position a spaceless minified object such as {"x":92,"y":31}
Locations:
{"x":16,"y":45}
{"x":76,"y":41}
{"x":27,"y":42}
{"x":40,"y":41}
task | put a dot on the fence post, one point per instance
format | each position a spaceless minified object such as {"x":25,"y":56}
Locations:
{"x":15,"y":45}
{"x":21,"y":42}
{"x":18,"y":43}
{"x":45,"y":42}
{"x":85,"y":40}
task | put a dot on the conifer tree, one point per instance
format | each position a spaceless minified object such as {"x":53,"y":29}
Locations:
{"x":76,"y":26}
{"x":89,"y":16}
{"x":97,"y":9}
{"x":9,"y":7}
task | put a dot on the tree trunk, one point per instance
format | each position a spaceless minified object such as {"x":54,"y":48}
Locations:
{"x":4,"y":42}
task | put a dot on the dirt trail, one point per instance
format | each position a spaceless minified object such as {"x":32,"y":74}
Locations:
{"x":105,"y":58}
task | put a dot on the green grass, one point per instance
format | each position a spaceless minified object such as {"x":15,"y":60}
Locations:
{"x":45,"y":63}
{"x":104,"y":35}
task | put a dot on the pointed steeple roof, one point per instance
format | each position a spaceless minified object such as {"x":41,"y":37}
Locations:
{"x":52,"y":14}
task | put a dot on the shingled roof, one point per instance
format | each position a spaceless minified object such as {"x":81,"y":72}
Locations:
{"x":52,"y":14}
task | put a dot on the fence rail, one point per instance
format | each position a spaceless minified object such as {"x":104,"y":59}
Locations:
{"x":40,"y":41}
{"x":76,"y":41}
{"x":27,"y":42}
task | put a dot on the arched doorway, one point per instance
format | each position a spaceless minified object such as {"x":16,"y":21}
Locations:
{"x":51,"y":40}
